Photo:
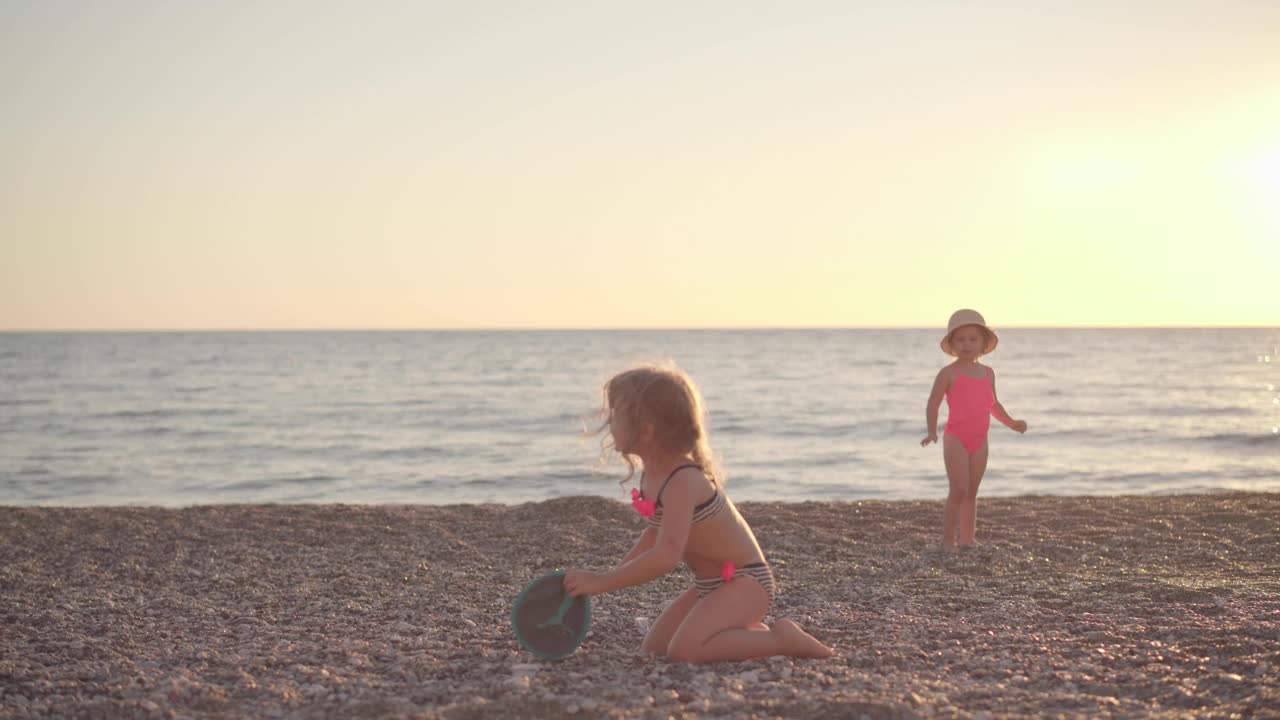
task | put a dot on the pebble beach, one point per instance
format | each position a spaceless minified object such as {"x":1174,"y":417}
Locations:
{"x":1129,"y":606}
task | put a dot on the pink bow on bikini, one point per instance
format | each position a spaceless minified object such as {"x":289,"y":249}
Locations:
{"x":728,"y":571}
{"x":646,"y":508}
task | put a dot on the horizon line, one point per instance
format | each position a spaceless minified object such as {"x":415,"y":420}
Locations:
{"x":602,"y":328}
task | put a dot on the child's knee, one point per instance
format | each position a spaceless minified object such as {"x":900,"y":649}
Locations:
{"x":683,"y":648}
{"x":683,"y":653}
{"x":654,"y":646}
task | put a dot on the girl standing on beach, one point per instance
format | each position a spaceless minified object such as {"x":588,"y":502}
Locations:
{"x":655,"y":416}
{"x":970,"y":390}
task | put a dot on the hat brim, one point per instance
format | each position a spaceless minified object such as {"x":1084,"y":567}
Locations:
{"x":992,"y":340}
{"x":535,"y":612}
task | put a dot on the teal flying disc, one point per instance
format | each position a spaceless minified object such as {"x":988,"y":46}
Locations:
{"x":548,"y":621}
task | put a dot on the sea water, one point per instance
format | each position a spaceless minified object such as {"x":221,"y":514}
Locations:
{"x":180,"y":418}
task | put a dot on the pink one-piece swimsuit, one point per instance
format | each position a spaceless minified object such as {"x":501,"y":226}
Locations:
{"x":969,"y":403}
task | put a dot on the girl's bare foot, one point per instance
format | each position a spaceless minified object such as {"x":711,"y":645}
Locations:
{"x":798,"y":643}
{"x":950,"y":547}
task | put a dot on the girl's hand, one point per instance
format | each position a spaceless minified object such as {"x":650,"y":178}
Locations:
{"x":582,"y":582}
{"x":1019,"y":426}
{"x":933,"y":438}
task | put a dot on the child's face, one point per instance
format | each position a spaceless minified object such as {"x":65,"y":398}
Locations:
{"x":968,"y":342}
{"x":629,"y":436}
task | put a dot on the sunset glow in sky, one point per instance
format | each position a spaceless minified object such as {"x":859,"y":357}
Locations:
{"x":578,"y":164}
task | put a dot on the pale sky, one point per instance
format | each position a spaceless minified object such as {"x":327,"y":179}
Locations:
{"x":626,"y":164}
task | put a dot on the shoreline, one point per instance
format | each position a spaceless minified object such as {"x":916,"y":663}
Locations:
{"x":1125,"y":605}
{"x":937,"y":498}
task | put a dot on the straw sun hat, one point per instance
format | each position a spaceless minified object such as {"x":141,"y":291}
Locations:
{"x":961,"y":318}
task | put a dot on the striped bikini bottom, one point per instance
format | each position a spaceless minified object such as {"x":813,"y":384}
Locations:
{"x":759,"y":571}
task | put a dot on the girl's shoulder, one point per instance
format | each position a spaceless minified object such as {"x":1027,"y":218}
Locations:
{"x":694,"y":475}
{"x":947,"y":373}
{"x":690,"y":483}
{"x":685,"y":476}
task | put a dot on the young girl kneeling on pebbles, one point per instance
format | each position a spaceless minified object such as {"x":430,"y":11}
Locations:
{"x":655,"y":415}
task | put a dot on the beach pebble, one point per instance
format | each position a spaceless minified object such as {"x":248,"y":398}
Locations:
{"x":1008,"y":641}
{"x":642,"y":623}
{"x":521,"y":682}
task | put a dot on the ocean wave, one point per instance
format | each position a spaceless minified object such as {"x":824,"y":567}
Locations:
{"x":1111,"y":482}
{"x":278,"y":450}
{"x":338,"y":407}
{"x":1243,"y":440}
{"x":33,"y":472}
{"x":867,"y":428}
{"x":1152,"y":411}
{"x":76,"y":484}
{"x":544,"y":425}
{"x":533,"y":479}
{"x":800,"y":465}
{"x":164,"y":414}
{"x":23,"y":402}
{"x":156,"y":431}
{"x":420,"y":452}
{"x":732,"y":429}
{"x":267,"y":483}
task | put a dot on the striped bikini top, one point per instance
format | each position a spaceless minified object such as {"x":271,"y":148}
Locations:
{"x":704,"y":511}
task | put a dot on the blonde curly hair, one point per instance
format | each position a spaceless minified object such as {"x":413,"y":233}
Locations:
{"x":666,"y":397}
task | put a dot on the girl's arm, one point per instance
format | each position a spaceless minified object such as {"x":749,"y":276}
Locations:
{"x":644,"y":542}
{"x":998,"y":412}
{"x":658,"y":560}
{"x":940,"y":385}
